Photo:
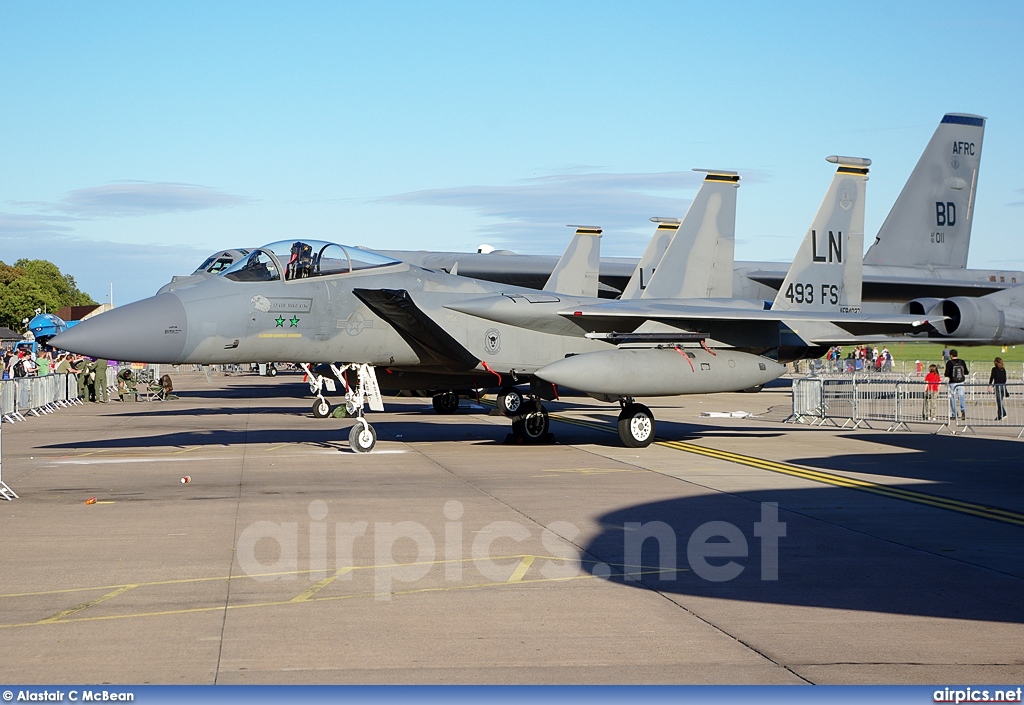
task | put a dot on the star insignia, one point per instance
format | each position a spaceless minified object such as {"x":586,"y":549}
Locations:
{"x":294,"y":320}
{"x":279,"y":321}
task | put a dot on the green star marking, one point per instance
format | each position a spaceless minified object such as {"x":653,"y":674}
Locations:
{"x":279,"y":321}
{"x":294,"y":320}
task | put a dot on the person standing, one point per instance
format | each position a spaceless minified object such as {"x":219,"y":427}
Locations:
{"x":78,"y":369}
{"x":997,"y":383}
{"x":101,"y":381}
{"x":44,"y":364}
{"x":956,"y":376}
{"x":931,"y":393}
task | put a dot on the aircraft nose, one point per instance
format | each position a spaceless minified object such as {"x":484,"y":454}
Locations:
{"x":151,"y":330}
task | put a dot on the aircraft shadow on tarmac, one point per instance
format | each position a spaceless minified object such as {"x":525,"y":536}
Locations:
{"x":334,"y":435}
{"x":169,"y":409}
{"x":820,"y":564}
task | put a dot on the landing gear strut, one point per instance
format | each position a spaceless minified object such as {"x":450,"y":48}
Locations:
{"x":362,"y":438}
{"x":317,"y":382}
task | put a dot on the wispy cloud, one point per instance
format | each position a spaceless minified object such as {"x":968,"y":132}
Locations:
{"x":136,"y":198}
{"x":1019,"y":191}
{"x":13,"y":225}
{"x":527,"y":212}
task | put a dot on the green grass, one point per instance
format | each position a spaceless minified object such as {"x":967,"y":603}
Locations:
{"x":931,"y":352}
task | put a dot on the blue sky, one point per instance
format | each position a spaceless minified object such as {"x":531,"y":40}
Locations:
{"x":141,"y":137}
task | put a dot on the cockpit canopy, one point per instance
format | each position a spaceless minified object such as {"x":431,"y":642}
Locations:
{"x":301,"y":259}
{"x":217,"y":263}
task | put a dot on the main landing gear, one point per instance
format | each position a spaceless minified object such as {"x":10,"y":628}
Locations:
{"x":636,"y":424}
{"x":530,"y":421}
{"x":510,"y":401}
{"x":446,"y":402}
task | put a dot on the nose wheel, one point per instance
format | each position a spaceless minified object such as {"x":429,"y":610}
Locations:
{"x":362,"y":438}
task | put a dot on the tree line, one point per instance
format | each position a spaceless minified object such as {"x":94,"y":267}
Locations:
{"x":29,"y":284}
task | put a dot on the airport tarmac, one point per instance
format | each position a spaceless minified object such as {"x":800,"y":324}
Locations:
{"x":450,"y":556}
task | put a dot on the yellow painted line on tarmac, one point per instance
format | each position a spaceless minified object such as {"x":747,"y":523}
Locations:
{"x":306,"y":594}
{"x":279,"y":446}
{"x":60,"y":616}
{"x":185,"y":450}
{"x":953,"y":505}
{"x":67,"y":616}
{"x":520,"y":571}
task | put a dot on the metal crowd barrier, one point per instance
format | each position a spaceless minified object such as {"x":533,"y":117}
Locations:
{"x":37,"y":395}
{"x":858,"y":401}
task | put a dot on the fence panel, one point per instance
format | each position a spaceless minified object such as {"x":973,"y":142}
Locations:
{"x":859,"y":400}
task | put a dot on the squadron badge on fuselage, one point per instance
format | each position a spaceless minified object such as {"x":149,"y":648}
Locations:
{"x":492,"y":341}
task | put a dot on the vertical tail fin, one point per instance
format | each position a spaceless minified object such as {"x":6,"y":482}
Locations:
{"x":576,"y":273}
{"x":698,"y":262}
{"x":826,"y":273}
{"x":930,"y":223}
{"x":663,"y":234}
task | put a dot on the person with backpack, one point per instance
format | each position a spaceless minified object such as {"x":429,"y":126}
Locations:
{"x":956,"y":376}
{"x":18,"y":367}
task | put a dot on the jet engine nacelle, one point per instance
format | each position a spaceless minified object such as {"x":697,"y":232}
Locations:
{"x":920,"y":307}
{"x":968,"y":317}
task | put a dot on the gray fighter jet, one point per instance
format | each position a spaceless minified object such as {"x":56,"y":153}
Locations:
{"x":383,"y":319}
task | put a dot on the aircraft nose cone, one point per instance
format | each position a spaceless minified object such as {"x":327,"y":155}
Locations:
{"x":151,"y":330}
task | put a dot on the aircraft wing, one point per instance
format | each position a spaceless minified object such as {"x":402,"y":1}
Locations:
{"x":695,"y":315}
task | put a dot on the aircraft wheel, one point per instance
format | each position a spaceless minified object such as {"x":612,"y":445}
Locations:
{"x":532,"y":426}
{"x":271,"y":371}
{"x":753,"y":390}
{"x":446,"y":402}
{"x":362,"y":438}
{"x":510,"y":401}
{"x":321,"y":408}
{"x":636,"y":426}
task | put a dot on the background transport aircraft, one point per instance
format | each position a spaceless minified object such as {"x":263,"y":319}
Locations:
{"x":321,"y":301}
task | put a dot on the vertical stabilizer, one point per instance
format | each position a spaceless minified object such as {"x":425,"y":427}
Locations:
{"x":576,"y":273}
{"x":930,"y":223}
{"x":698,"y":262}
{"x":826,"y":273}
{"x":663,"y":234}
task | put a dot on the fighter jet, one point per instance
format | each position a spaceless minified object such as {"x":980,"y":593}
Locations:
{"x":309,"y":300}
